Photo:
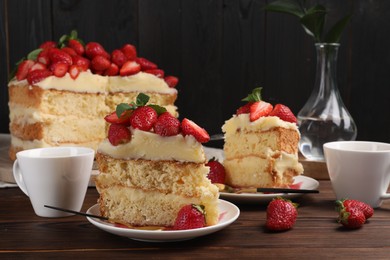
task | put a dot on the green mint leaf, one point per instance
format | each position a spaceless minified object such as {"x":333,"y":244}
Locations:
{"x":313,"y":21}
{"x":254,"y":96}
{"x":142,"y":99}
{"x":158,"y":109}
{"x":122,"y":107}
{"x":34,"y":54}
{"x":335,"y":32}
{"x":73,"y":35}
{"x":286,"y":6}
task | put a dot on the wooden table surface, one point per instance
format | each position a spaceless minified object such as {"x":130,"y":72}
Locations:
{"x":315,"y":234}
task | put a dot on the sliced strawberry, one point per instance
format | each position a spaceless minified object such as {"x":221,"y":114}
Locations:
{"x":259,"y":109}
{"x":167,"y":125}
{"x":189,"y":127}
{"x":99,"y":62}
{"x":69,"y":51}
{"x":146,"y":64}
{"x":118,"y":134}
{"x":59,"y":69}
{"x":284,"y":113}
{"x":38,"y":66}
{"x":156,"y":72}
{"x":76,"y":46}
{"x":43,"y":57}
{"x":48,"y":45}
{"x":57,"y":55}
{"x":113,"y":70}
{"x":143,"y":118}
{"x":81,"y":62}
{"x":189,"y":217}
{"x":118,"y":57}
{"x":38,"y":75}
{"x":130,"y":68}
{"x":124,"y":119}
{"x":171,"y":81}
{"x":74,"y":71}
{"x":93,"y":49}
{"x":23,"y":69}
{"x":245,"y":109}
{"x":129,"y":51}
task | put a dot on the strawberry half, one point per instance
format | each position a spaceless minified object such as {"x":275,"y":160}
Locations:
{"x":118,"y":134}
{"x":284,"y":113}
{"x":57,"y":55}
{"x":171,"y":81}
{"x":146,"y":64}
{"x":113,"y":70}
{"x":124,"y":119}
{"x":245,"y":109}
{"x":81,"y":62}
{"x":188,"y":127}
{"x":59,"y":69}
{"x":259,"y":109}
{"x":189,"y":217}
{"x":74,"y":71}
{"x":23,"y":69}
{"x":130,"y":68}
{"x":38,"y":75}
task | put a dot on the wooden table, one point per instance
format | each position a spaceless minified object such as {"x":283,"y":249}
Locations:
{"x":315,"y":234}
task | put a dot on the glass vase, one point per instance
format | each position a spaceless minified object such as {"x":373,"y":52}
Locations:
{"x":324,"y":117}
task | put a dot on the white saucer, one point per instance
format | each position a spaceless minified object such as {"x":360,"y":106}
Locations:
{"x":228,"y":214}
{"x":307,"y":183}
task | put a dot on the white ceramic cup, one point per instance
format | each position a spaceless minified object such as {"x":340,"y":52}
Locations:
{"x":359,"y":170}
{"x":55,"y":176}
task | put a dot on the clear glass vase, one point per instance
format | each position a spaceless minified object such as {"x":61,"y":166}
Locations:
{"x":324,"y":117}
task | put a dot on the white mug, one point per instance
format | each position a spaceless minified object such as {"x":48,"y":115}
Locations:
{"x":359,"y":170}
{"x":54,"y":176}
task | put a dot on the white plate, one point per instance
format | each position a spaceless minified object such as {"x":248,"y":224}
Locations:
{"x":228,"y":214}
{"x":307,"y":183}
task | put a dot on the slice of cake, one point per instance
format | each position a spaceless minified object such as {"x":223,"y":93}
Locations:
{"x":152,"y":165}
{"x":62,"y":91}
{"x":261,"y":145}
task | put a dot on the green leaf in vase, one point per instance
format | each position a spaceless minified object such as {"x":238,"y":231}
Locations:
{"x":334,"y":34}
{"x":286,"y":6}
{"x":313,"y":21}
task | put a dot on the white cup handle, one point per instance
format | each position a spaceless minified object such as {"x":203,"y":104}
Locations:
{"x":385,"y":196}
{"x":18,"y":177}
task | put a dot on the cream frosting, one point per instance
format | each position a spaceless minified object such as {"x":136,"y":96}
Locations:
{"x":151,"y":146}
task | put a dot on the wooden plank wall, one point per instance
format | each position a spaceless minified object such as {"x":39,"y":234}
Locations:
{"x":220,"y":50}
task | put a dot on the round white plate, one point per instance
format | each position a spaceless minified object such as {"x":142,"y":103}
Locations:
{"x":228,"y":214}
{"x":306,"y":183}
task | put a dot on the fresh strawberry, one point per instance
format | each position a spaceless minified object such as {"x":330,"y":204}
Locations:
{"x":81,"y":62}
{"x":38,"y":66}
{"x":367,"y":210}
{"x":130,"y":68}
{"x":259,"y":109}
{"x":284,"y":113}
{"x":171,"y":81}
{"x":167,"y":125}
{"x":113,"y":70}
{"x":69,"y":51}
{"x":124,"y":119}
{"x":281,"y":214}
{"x":118,"y":134}
{"x":23,"y":69}
{"x":93,"y":49}
{"x":189,"y":127}
{"x":351,"y":218}
{"x":99,"y":62}
{"x":118,"y":57}
{"x":143,"y":118}
{"x":129,"y":51}
{"x":146,"y":64}
{"x":43,"y":57}
{"x":38,"y":75}
{"x":76,"y":46}
{"x":59,"y":69}
{"x":57,"y":55}
{"x":156,"y":72}
{"x":74,"y":71}
{"x":189,"y":217}
{"x":48,"y":45}
{"x":245,"y":109}
{"x":217,"y":172}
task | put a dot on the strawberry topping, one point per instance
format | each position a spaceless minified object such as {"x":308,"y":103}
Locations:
{"x":188,"y":127}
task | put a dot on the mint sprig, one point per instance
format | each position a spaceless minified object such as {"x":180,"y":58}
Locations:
{"x":254,"y":96}
{"x":312,"y":19}
{"x":64,"y":39}
{"x":141,"y":100}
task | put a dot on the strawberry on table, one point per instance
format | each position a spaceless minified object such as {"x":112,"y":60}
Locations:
{"x":281,"y":214}
{"x":190,"y":217}
{"x":367,"y":210}
{"x":217,"y":172}
{"x":284,"y":113}
{"x":351,"y":217}
{"x":189,"y":127}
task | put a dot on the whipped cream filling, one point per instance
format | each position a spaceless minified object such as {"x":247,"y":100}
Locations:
{"x":151,"y":146}
{"x":287,"y":161}
{"x":264,"y":123}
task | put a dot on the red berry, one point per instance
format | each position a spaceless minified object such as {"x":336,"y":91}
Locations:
{"x":118,"y":134}
{"x":167,"y":125}
{"x":74,"y":71}
{"x":189,"y":127}
{"x":59,"y":69}
{"x":129,"y":51}
{"x":43,"y":57}
{"x":146,"y":64}
{"x":124,"y":119}
{"x":57,"y":55}
{"x":130,"y":68}
{"x":245,"y":109}
{"x":143,"y":118}
{"x":48,"y":45}
{"x":93,"y":49}
{"x":156,"y":72}
{"x":38,"y":75}
{"x":38,"y":66}
{"x":118,"y":57}
{"x":259,"y":109}
{"x":113,"y":70}
{"x":81,"y":62}
{"x":23,"y":69}
{"x":171,"y":81}
{"x":217,"y":172}
{"x":76,"y":46}
{"x":281,"y":214}
{"x":100,"y":63}
{"x":189,"y":217}
{"x":367,"y":210}
{"x":351,"y":218}
{"x":69,"y":51}
{"x":284,"y":113}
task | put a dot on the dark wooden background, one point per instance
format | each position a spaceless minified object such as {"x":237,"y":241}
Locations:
{"x":220,"y":50}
